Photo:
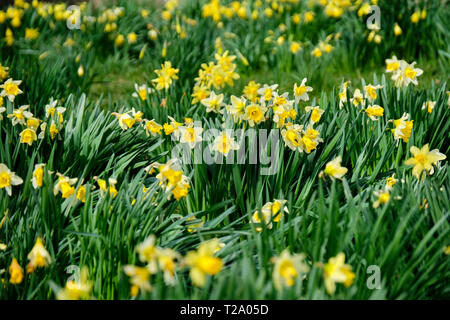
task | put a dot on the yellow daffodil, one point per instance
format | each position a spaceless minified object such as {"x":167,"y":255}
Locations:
{"x":424,"y":159}
{"x":224,"y":143}
{"x":403,"y":128}
{"x":38,"y":256}
{"x":287,"y":269}
{"x":301,"y":91}
{"x":374,"y":112}
{"x":38,"y":175}
{"x":64,"y":185}
{"x":8,"y":179}
{"x":10,"y":89}
{"x":28,"y":136}
{"x":336,"y":271}
{"x":77,"y":290}
{"x":213,"y":103}
{"x":203,"y":262}
{"x":334,"y":170}
{"x":15,"y":272}
{"x":429,"y":106}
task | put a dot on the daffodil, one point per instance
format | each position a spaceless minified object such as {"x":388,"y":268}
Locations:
{"x":19,"y":116}
{"x":301,"y":91}
{"x":429,"y":106}
{"x":15,"y":272}
{"x":383,"y":197}
{"x":126,"y":121}
{"x":392,"y":65}
{"x":267,"y":92}
{"x":191,"y":135}
{"x":424,"y":160}
{"x":28,"y":136}
{"x":406,"y":74}
{"x":334,"y":170}
{"x":316,"y":113}
{"x":310,"y":140}
{"x":374,"y":112}
{"x":254,"y":114}
{"x":336,"y":271}
{"x":142,"y":91}
{"x":132,"y":38}
{"x":287,"y":269}
{"x":403,"y":128}
{"x":151,"y":126}
{"x":166,"y":75}
{"x":371,"y":92}
{"x":270,"y":212}
{"x":81,"y":193}
{"x":358,"y":98}
{"x":38,"y":175}
{"x":38,"y":256}
{"x":140,"y":277}
{"x":4,"y":71}
{"x":213,"y":103}
{"x":250,"y":91}
{"x":109,"y":187}
{"x":292,"y":137}
{"x":390,"y":182}
{"x":8,"y":179}
{"x":224,"y":143}
{"x":77,"y":289}
{"x":237,"y":107}
{"x":167,"y":261}
{"x":203,"y":262}
{"x":65,"y":186}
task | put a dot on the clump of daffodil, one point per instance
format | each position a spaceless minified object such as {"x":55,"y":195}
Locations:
{"x":15,"y":272}
{"x":171,"y":179}
{"x":224,"y":143}
{"x":424,"y":160}
{"x":288,"y":267}
{"x":334,"y":170}
{"x":270,"y":212}
{"x":166,"y":75}
{"x":38,"y":257}
{"x":107,"y":187}
{"x":403,"y":73}
{"x":403,"y":128}
{"x":283,"y":112}
{"x":77,"y":290}
{"x":292,"y":135}
{"x":10,"y":89}
{"x":336,"y":271}
{"x":203,"y":262}
{"x":64,"y":185}
{"x":8,"y":179}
